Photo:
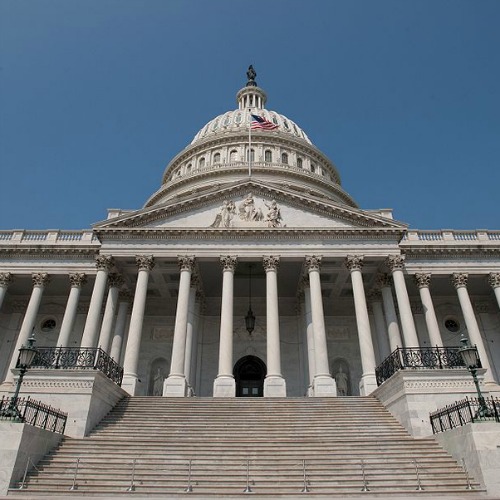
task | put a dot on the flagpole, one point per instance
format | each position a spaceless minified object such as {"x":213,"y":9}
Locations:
{"x":249,"y":143}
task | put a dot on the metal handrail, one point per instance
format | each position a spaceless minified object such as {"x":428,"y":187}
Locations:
{"x":419,"y":357}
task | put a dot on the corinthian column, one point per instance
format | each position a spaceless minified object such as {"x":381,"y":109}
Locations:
{"x":384,"y":349}
{"x":190,"y":334}
{"x":311,"y":361}
{"x":224,"y":384}
{"x":175,"y":385}
{"x":91,"y":329}
{"x":40,"y":280}
{"x":391,"y":318}
{"x":5,"y":281}
{"x":274,"y":383}
{"x":368,"y":382}
{"x":145,"y":264}
{"x":459,"y":281}
{"x":423,"y":282}
{"x":494,"y":281}
{"x":121,"y":320}
{"x":396,"y":264}
{"x":324,"y":384}
{"x":115,"y":281}
{"x":77,"y":280}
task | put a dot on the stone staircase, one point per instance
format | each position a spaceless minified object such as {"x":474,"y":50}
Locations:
{"x":149,"y":444}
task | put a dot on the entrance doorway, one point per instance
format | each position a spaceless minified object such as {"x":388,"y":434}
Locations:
{"x":249,"y":373}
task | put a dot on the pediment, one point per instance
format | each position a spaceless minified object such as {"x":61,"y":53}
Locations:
{"x":250,"y":205}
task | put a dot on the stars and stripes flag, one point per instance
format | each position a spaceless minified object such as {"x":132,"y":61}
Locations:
{"x":261,"y":123}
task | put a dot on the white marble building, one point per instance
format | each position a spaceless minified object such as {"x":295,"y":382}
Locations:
{"x":334,"y":288}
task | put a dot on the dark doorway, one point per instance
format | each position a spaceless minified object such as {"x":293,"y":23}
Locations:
{"x":249,"y":373}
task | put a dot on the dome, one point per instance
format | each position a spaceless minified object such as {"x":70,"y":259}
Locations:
{"x":278,"y":151}
{"x":238,"y":119}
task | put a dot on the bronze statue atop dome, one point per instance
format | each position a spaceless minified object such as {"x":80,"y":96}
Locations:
{"x":251,"y":74}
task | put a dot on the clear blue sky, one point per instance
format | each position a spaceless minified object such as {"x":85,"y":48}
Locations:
{"x":98,"y":95}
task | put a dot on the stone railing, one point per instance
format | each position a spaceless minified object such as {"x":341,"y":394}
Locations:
{"x":56,"y":237}
{"x":447,"y":236}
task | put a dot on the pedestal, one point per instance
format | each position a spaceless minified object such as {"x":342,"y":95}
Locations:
{"x":130,"y":383}
{"x":224,"y":387}
{"x":274,"y":387}
{"x":175,"y":386}
{"x":367,"y":384}
{"x":324,"y":386}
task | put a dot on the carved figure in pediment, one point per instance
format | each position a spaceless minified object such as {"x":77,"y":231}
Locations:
{"x":225,"y":215}
{"x":248,"y":210}
{"x":273,"y":216}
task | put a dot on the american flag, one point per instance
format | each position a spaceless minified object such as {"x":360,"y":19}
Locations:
{"x":261,"y":123}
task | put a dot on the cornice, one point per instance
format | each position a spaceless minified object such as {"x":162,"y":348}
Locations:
{"x":50,"y":252}
{"x":451,"y":253}
{"x":273,"y":234}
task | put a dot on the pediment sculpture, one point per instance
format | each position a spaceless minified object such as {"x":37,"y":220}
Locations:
{"x":248,"y":213}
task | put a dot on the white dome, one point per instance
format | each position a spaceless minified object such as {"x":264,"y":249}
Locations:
{"x":238,"y":120}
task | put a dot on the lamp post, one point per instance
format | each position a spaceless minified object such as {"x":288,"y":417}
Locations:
{"x":471,"y":359}
{"x":26,"y":356}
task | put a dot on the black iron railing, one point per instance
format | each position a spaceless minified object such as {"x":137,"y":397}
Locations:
{"x":463,"y":412}
{"x":418,"y":357}
{"x":34,"y":413}
{"x":78,"y":358}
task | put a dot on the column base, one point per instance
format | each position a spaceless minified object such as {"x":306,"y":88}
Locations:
{"x":224,"y":387}
{"x":367,"y":384}
{"x":274,"y":387}
{"x":175,"y":386}
{"x":130,"y":383}
{"x":324,"y":386}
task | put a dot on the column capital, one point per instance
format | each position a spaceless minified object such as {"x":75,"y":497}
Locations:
{"x":104,"y":262}
{"x":228,"y":262}
{"x":145,"y":262}
{"x":354,"y":262}
{"x":115,"y":280}
{"x":271,"y":263}
{"x":40,"y":279}
{"x":77,"y":280}
{"x":124,"y":296}
{"x":313,"y":262}
{"x":384,"y":280}
{"x":186,"y":262}
{"x":459,"y":279}
{"x":195,"y":281}
{"x":6,"y":279}
{"x":494,"y":280}
{"x":394,"y":262}
{"x":422,"y":280}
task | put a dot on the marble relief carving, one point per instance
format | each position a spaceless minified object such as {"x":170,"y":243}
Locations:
{"x":248,"y":213}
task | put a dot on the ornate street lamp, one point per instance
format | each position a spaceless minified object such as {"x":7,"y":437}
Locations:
{"x":470,"y":358}
{"x":250,"y":317}
{"x":26,"y":356}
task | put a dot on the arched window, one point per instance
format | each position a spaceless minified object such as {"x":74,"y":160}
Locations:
{"x":201,"y":163}
{"x":252,"y":155}
{"x":299,"y":162}
{"x":188,"y":169}
{"x":268,"y":156}
{"x":217,"y":158}
{"x":233,"y":155}
{"x":313,"y":168}
{"x":284,"y":158}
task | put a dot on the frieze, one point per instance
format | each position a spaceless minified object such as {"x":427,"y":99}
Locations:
{"x":66,"y":384}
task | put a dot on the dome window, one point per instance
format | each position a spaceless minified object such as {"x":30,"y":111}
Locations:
{"x":313,"y":168}
{"x":268,"y":156}
{"x":215,"y":126}
{"x":299,"y":162}
{"x":275,"y":120}
{"x":238,"y":118}
{"x":188,"y":169}
{"x":252,"y":155}
{"x":201,"y":163}
{"x":285,"y":124}
{"x":227,"y":121}
{"x":233,"y":155}
{"x":217,"y":158}
{"x":284,"y":158}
